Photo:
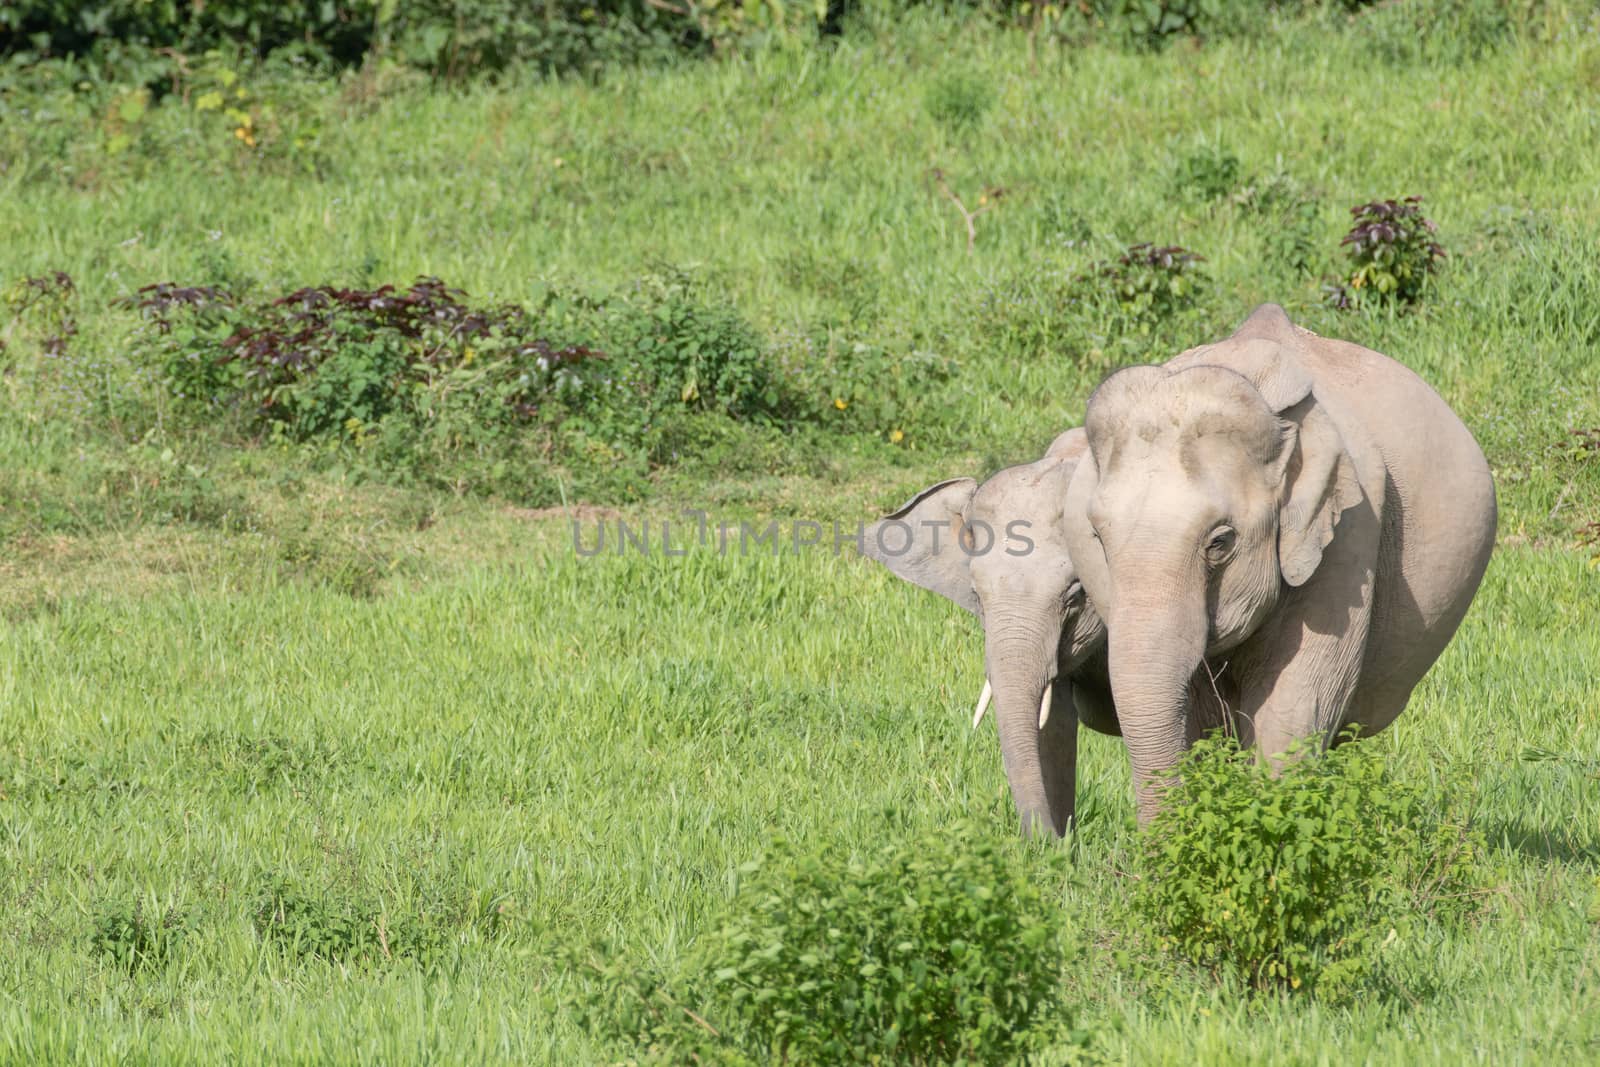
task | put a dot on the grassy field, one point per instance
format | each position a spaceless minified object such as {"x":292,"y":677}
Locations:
{"x":359,"y":753}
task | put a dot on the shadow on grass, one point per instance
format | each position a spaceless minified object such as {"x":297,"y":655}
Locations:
{"x":1561,"y":846}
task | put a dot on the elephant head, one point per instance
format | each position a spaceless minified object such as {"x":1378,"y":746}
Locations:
{"x":1213,"y":484}
{"x":999,"y":550}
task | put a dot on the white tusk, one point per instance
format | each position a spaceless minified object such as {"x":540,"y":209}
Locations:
{"x":1044,"y":705}
{"x":983,"y":703}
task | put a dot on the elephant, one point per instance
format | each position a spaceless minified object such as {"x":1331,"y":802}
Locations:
{"x":998,"y":550}
{"x":1300,"y":521}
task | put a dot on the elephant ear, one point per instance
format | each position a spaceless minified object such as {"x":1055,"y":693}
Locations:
{"x":1318,"y":476}
{"x":1314,"y":468}
{"x":1266,"y":350}
{"x":919,"y":542}
{"x":1319,"y":484}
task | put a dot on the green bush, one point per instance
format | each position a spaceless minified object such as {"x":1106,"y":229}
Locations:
{"x":339,"y":29}
{"x":1392,"y":254}
{"x":682,"y":351}
{"x":330,"y":360}
{"x":1209,"y":173}
{"x":1097,"y":314}
{"x":939,"y":949}
{"x":312,"y":922}
{"x":1291,"y":216}
{"x":147,"y":42}
{"x":450,"y":38}
{"x":135,"y":934}
{"x":1147,"y":285}
{"x":424,"y":385}
{"x":852,"y":385}
{"x":1296,"y":880}
{"x":1154,"y":23}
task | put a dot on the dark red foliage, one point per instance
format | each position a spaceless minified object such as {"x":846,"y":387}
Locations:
{"x":55,"y":288}
{"x":1384,"y":222}
{"x":408,"y":334}
{"x":429,"y":303}
{"x":162,"y":297}
{"x":1165,"y":257}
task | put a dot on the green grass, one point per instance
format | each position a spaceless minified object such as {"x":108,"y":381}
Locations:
{"x":574,"y":748}
{"x":421,"y":706}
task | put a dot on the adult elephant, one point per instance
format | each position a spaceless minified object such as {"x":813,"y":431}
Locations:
{"x":999,"y":550}
{"x":1303,"y":520}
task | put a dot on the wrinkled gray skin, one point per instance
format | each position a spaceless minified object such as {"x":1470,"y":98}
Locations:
{"x":1039,"y":633}
{"x":1303,"y":519}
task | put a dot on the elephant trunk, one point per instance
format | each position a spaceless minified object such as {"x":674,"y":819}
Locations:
{"x":1038,"y":752}
{"x":1156,"y":643}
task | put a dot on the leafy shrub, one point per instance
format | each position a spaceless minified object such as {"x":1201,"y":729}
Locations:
{"x":449,"y":38}
{"x":425,"y":385}
{"x":1296,"y":880}
{"x":1210,"y":173}
{"x":856,"y":385}
{"x":335,"y":360}
{"x":1154,"y":23}
{"x":1147,"y":285}
{"x":935,"y":950}
{"x":683,"y":351}
{"x":338,"y":29}
{"x":1391,"y":253}
{"x":1291,"y":214}
{"x":316,"y":923}
{"x":137,"y":934}
{"x":1085,"y":314}
{"x":958,"y":102}
{"x":43,"y":307}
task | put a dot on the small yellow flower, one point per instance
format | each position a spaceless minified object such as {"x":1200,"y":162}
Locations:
{"x":896,"y":436}
{"x":1294,"y":983}
{"x":840,"y":402}
{"x":467,"y":356}
{"x":559,"y":162}
{"x":984,"y":199}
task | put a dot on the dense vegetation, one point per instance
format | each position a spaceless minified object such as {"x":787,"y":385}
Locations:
{"x":321,"y":743}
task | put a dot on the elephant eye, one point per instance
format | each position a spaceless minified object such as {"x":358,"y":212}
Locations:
{"x":1220,"y":544}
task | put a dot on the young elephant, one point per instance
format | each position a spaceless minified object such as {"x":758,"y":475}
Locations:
{"x":998,"y":550}
{"x":1304,"y":520}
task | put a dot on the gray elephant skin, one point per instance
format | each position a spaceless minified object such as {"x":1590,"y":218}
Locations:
{"x":1300,"y":521}
{"x":999,"y":550}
